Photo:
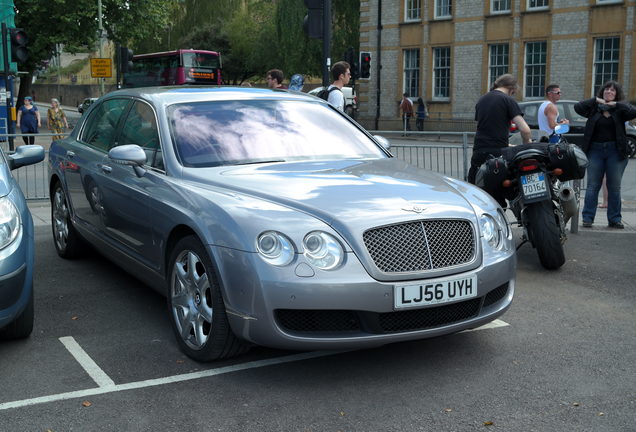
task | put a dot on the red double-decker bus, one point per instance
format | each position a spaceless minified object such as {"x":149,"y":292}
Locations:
{"x":180,"y":67}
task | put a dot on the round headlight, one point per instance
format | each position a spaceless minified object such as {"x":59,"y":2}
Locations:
{"x":490,"y":230}
{"x":9,"y":222}
{"x":322,"y":250}
{"x":275,"y":248}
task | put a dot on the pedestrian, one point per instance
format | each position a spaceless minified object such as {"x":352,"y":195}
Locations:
{"x":422,"y":113}
{"x":28,"y":120}
{"x":56,"y":119}
{"x":275,"y":79}
{"x":341,"y":74}
{"x":548,"y":114}
{"x":493,"y":112}
{"x":406,"y":107}
{"x":605,"y":144}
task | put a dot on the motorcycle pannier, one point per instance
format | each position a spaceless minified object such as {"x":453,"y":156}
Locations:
{"x":570,"y":158}
{"x":491,"y":175}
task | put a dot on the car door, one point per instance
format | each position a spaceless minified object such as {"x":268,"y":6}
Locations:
{"x":83,"y":159}
{"x":127,"y":194}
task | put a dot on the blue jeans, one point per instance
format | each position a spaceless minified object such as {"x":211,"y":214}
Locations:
{"x":604,"y":160}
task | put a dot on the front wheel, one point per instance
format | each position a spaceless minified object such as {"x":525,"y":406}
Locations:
{"x":197,"y":310}
{"x":544,"y":234}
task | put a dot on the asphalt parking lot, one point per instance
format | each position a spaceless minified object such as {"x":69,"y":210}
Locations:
{"x":102,"y":357}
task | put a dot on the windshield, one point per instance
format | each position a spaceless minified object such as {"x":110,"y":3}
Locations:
{"x":251,"y":131}
{"x":200,"y":60}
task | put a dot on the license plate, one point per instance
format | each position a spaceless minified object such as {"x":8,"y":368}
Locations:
{"x":434,"y":292}
{"x":534,"y":185}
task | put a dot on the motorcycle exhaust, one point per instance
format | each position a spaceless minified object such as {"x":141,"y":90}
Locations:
{"x":569,"y":204}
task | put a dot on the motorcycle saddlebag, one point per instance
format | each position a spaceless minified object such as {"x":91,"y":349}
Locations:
{"x":490,"y":177}
{"x":570,"y":158}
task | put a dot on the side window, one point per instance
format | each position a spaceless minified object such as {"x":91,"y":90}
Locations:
{"x":140,"y":127}
{"x":102,"y":124}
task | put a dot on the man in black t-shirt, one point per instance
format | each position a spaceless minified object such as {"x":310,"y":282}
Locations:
{"x":493,"y":112}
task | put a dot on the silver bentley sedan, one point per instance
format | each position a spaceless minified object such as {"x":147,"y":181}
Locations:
{"x":268,"y":217}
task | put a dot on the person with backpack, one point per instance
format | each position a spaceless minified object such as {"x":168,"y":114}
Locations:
{"x":341,"y":74}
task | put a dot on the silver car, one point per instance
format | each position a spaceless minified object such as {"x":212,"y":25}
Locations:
{"x":269,"y":217}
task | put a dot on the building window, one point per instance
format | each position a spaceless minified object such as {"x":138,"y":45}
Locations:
{"x":535,"y":69}
{"x":443,"y":8}
{"x":538,"y":4}
{"x":412,"y":72}
{"x":441,"y":73}
{"x":606,"y":53}
{"x":498,"y":61}
{"x":413,"y":9}
{"x":500,"y":6}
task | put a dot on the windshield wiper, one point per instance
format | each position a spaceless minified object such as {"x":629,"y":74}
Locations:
{"x":260,"y":162}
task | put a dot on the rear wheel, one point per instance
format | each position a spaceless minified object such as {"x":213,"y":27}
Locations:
{"x":67,"y":241}
{"x":545,"y":235}
{"x":197,"y":310}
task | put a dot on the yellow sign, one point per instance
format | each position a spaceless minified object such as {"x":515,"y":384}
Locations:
{"x":101,"y":68}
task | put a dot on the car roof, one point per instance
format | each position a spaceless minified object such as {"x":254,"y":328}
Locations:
{"x":179,"y":94}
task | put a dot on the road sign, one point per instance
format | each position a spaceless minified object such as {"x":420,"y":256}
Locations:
{"x":101,"y":68}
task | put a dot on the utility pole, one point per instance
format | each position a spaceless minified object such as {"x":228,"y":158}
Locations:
{"x":101,"y":43}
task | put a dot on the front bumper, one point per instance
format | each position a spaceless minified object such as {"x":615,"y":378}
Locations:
{"x":293,"y":308}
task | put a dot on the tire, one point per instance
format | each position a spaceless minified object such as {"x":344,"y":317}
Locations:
{"x":631,"y":146}
{"x":22,"y":326}
{"x":544,"y":233}
{"x":67,"y":242}
{"x":196,"y":307}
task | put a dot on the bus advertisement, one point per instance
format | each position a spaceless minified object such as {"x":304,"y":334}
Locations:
{"x":179,"y":67}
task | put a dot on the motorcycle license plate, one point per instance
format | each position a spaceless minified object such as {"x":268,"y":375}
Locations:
{"x":534,"y":186}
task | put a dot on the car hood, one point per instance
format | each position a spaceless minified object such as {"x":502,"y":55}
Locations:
{"x":349,"y":192}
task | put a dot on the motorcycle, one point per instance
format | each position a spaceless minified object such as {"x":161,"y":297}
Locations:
{"x":532,"y":177}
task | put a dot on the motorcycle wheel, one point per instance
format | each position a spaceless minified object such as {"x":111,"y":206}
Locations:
{"x":544,"y":234}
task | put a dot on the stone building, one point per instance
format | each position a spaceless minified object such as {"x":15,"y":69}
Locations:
{"x":449,"y":52}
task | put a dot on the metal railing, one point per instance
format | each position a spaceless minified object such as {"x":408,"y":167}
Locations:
{"x":451,"y":158}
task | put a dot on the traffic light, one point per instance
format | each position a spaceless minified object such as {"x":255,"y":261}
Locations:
{"x":125,"y":59}
{"x":19,"y":52}
{"x":312,"y":23}
{"x":350,"y":57}
{"x":365,"y":65}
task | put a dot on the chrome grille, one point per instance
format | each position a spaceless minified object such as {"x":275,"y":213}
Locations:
{"x":421,"y":245}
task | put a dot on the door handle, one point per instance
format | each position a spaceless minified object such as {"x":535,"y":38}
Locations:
{"x":106,"y":168}
{"x":70,"y":154}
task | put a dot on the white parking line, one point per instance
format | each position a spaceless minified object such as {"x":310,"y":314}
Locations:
{"x":106,"y":385}
{"x":493,"y":324}
{"x":95,"y":372}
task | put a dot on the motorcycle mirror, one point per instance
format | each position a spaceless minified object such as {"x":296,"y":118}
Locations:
{"x":562,"y":129}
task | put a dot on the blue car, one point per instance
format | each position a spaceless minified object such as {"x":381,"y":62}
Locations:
{"x":16,"y":246}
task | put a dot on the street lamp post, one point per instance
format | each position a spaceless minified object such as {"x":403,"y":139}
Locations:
{"x":101,"y":43}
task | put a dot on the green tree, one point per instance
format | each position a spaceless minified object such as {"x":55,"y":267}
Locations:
{"x":75,"y":24}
